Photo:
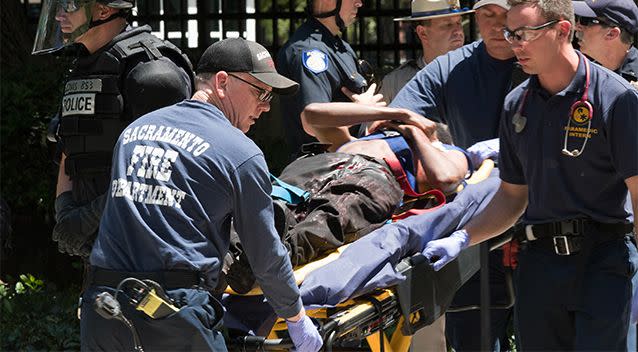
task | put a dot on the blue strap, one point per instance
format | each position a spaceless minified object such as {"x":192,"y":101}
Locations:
{"x":287,"y":192}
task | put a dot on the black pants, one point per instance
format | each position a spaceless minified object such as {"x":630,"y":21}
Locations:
{"x":193,"y":328}
{"x":551,"y":314}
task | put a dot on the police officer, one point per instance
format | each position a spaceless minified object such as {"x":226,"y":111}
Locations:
{"x":439,"y":27}
{"x":569,"y":137}
{"x":120,"y":73}
{"x":605,"y":33}
{"x":321,"y":61}
{"x":181,"y":174}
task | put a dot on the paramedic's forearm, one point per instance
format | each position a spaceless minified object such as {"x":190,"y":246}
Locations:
{"x":501,"y":213}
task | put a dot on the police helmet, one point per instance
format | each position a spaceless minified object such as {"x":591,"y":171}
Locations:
{"x":62,"y":22}
{"x":118,"y":4}
{"x":334,"y":12}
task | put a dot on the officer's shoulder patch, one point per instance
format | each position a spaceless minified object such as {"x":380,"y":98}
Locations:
{"x":315,"y":60}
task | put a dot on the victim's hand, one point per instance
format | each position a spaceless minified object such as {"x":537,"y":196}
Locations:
{"x":366,"y":98}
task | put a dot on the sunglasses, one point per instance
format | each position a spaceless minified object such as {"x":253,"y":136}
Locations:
{"x":526,"y":33}
{"x":71,"y":5}
{"x":591,"y":21}
{"x":264,"y":95}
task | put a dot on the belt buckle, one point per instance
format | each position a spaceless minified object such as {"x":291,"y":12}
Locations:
{"x":565,"y":249}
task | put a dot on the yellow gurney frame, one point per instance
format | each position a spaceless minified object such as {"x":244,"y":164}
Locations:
{"x":414,"y":303}
{"x":411,"y":305}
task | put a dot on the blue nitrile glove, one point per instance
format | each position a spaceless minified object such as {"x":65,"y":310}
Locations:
{"x":304,"y":335}
{"x":446,"y":249}
{"x":483,"y":150}
{"x":634,"y":308}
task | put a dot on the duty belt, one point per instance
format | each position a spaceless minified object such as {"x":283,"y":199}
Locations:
{"x":170,"y":279}
{"x":566,"y":237}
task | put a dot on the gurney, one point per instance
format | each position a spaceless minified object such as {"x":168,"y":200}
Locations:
{"x":389,"y":289}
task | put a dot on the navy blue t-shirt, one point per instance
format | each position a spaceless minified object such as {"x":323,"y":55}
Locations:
{"x":562,"y":187}
{"x":180,"y":175}
{"x":629,"y":68}
{"x":322,"y":63}
{"x":464,"y":89}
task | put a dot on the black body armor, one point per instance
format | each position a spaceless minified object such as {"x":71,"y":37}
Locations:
{"x":100,"y":100}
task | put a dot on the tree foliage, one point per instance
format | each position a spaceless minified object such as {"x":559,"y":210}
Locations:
{"x":38,"y":317}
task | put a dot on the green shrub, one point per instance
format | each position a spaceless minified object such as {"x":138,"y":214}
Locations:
{"x":30,"y":95}
{"x":35,"y":316}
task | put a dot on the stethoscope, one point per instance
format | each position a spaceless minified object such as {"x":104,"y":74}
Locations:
{"x":579,"y":111}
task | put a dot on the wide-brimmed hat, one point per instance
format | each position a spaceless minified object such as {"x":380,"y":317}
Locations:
{"x":429,"y":9}
{"x":240,"y":55}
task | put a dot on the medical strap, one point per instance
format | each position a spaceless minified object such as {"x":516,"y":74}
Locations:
{"x":168,"y":279}
{"x":378,"y":307}
{"x":287,"y":192}
{"x":402,"y":179}
{"x":400,"y":148}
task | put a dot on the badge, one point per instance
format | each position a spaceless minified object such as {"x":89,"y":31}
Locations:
{"x":315,"y":60}
{"x":581,"y":113}
{"x":83,"y":86}
{"x":78,"y":104}
{"x":519,"y":122}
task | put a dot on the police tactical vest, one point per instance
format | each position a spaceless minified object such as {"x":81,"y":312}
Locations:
{"x":93,"y":111}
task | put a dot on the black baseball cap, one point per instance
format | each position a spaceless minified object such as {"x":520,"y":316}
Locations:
{"x":623,"y":13}
{"x":240,"y":55}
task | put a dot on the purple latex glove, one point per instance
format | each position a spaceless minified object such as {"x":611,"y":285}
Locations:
{"x":446,"y":249}
{"x":483,"y":150}
{"x":304,"y":335}
{"x":634,"y":307}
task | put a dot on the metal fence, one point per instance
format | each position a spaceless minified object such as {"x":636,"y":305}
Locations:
{"x":194,"y":24}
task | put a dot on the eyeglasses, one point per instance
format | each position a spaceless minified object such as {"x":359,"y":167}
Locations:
{"x":590,"y":21}
{"x":264,"y":95}
{"x":71,"y":5}
{"x":525,"y":33}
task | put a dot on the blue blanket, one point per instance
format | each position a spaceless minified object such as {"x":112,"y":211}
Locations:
{"x":369,"y":262}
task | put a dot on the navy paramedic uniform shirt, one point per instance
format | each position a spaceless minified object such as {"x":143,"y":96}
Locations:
{"x":464,"y":89}
{"x":322,"y":63}
{"x":180,"y":174}
{"x":629,"y":68}
{"x":560,"y":186}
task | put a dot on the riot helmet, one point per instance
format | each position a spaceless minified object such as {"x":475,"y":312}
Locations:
{"x":334,"y":12}
{"x":62,"y":22}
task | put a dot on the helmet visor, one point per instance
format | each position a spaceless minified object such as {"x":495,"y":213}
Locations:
{"x":61,"y":23}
